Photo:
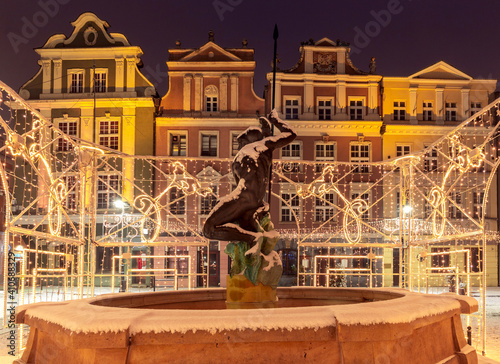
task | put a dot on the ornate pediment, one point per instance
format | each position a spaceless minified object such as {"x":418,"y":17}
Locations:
{"x":441,"y":71}
{"x":89,"y":31}
{"x":208,"y":53}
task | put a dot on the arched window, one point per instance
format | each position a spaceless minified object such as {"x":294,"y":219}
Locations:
{"x":211,"y":98}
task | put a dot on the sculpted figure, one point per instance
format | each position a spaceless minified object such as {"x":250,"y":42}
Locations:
{"x":236,"y":216}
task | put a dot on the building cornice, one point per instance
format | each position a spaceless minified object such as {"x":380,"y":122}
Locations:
{"x":236,"y":123}
{"x":89,"y":53}
{"x":89,"y":103}
{"x":280,"y":77}
{"x":178,"y":66}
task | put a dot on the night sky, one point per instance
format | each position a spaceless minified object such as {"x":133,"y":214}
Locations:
{"x":405,"y":36}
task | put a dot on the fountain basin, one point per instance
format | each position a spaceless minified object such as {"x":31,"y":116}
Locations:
{"x":334,"y":325}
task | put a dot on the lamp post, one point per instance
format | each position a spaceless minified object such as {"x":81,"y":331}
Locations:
{"x":119,"y":204}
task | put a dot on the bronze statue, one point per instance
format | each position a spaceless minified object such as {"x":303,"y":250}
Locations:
{"x":242,"y":216}
{"x":236,"y":216}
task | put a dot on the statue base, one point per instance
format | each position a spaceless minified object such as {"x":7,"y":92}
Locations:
{"x":242,"y":293}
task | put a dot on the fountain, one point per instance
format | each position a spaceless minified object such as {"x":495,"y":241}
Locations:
{"x":335,"y":325}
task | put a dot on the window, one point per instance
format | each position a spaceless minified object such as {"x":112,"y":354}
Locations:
{"x":211,"y":98}
{"x":356,"y":109}
{"x":427,"y":111}
{"x":324,"y":152}
{"x":70,"y":182}
{"x":289,"y":261}
{"x":427,"y":205}
{"x":291,"y":108}
{"x":431,"y":160}
{"x":440,"y":260}
{"x":100,"y":80}
{"x":455,"y":205}
{"x":364,"y":196}
{"x":234,"y":143}
{"x":289,"y":203}
{"x":398,"y":203}
{"x":402,"y":150}
{"x":75,"y":79}
{"x":291,"y":151}
{"x":208,"y":202}
{"x":177,"y":259}
{"x":399,"y":110}
{"x":324,"y":207}
{"x":176,"y":201}
{"x":107,"y":191}
{"x":360,"y":153}
{"x":325,"y":109}
{"x":451,"y":111}
{"x":208,"y":145}
{"x":476,"y":260}
{"x":109,"y":133}
{"x":70,"y":128}
{"x":178,"y":146}
{"x":477,"y":204}
{"x":475,"y":107}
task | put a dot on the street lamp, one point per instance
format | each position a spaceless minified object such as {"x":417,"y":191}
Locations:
{"x":120,"y":204}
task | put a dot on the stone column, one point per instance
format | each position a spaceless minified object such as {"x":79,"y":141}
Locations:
{"x":341,"y":104}
{"x":198,"y":92}
{"x":57,"y":76}
{"x":119,"y":74}
{"x":46,"y":74}
{"x":439,"y":105}
{"x":128,"y":147}
{"x":187,"y":93}
{"x":372,"y":101}
{"x":223,"y":92}
{"x":465,"y":104}
{"x":130,"y":74}
{"x":308,"y":100}
{"x":413,"y":105}
{"x":308,"y":61}
{"x":234,"y":92}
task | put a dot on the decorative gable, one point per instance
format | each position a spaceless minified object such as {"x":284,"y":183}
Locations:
{"x":442,"y":71}
{"x":89,"y":31}
{"x":210,"y":52}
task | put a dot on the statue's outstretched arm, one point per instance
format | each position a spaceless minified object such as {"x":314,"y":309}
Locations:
{"x":286,"y":136}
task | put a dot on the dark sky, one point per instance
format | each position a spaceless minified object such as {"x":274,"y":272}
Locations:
{"x":408,"y":37}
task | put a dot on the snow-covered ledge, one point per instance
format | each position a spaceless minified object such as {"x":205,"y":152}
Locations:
{"x":335,"y":325}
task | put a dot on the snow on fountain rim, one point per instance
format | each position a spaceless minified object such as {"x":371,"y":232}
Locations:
{"x":83,"y":317}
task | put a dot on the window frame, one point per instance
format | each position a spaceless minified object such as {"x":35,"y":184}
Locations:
{"x":430,"y":158}
{"x":360,"y":160}
{"x":326,"y":207}
{"x":400,"y":109}
{"x":289,"y":193}
{"x":474,"y":108}
{"x":319,"y":166}
{"x":70,"y":73}
{"x":325,"y":108}
{"x":234,"y":142}
{"x":298,"y":106}
{"x":427,"y":111}
{"x":209,"y":133}
{"x":62,"y":145}
{"x":180,"y":133}
{"x":108,"y":192}
{"x":109,"y":135}
{"x":211,"y":98}
{"x":450,"y":112}
{"x":93,"y":73}
{"x":356,"y":107}
{"x":292,"y":167}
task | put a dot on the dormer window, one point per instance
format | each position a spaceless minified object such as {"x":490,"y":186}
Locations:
{"x":75,"y":80}
{"x":211,"y":98}
{"x":100,"y":80}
